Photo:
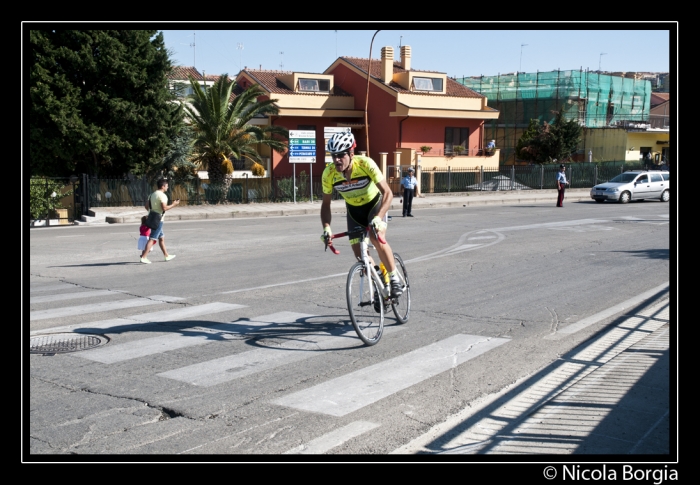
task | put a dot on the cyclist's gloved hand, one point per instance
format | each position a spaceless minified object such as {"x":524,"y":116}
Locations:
{"x":379,"y":225}
{"x":327,"y":234}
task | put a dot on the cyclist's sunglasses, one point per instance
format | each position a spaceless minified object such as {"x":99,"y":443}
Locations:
{"x":339,"y":154}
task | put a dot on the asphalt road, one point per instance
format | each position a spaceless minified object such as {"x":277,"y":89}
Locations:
{"x":242,"y":345}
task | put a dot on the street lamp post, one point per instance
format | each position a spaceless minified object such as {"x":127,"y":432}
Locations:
{"x":600,"y":58}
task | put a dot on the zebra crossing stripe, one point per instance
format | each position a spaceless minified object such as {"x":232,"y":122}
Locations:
{"x":197,"y":335}
{"x":70,"y":296}
{"x":335,"y":438}
{"x":358,"y":389}
{"x":124,"y":324}
{"x":53,"y":287}
{"x":230,"y":367}
{"x":90,"y":308}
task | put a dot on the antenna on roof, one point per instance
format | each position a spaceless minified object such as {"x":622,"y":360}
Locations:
{"x":194,"y":62}
{"x":281,"y":62}
{"x":240,"y":57}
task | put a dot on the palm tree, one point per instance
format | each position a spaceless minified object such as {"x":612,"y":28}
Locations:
{"x":223,"y":130}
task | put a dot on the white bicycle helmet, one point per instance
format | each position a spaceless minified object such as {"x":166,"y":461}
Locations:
{"x":340,"y":142}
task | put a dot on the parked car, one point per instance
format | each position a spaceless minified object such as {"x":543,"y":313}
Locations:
{"x":634,"y":185}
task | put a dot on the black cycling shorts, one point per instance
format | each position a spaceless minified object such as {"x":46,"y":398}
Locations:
{"x":363,"y":214}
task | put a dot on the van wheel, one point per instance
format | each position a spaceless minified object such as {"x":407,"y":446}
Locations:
{"x":624,"y":197}
{"x":665,"y":196}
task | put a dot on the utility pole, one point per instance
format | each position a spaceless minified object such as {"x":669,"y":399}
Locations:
{"x":600,"y":57}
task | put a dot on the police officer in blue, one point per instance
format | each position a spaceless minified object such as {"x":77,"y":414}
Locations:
{"x":410,"y":185}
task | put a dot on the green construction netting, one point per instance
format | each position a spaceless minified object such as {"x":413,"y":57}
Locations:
{"x":596,"y":100}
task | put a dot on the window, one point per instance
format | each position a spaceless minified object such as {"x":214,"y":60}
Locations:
{"x":427,"y":84}
{"x":655,"y":177}
{"x":455,"y":137}
{"x":642,"y":179}
{"x":314,"y":85}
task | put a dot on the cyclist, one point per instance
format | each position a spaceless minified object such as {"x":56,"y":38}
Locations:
{"x":367,"y":199}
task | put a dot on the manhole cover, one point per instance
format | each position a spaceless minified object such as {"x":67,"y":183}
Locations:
{"x":59,"y":343}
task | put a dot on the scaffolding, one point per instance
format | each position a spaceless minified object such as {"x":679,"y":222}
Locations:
{"x":597,"y":101}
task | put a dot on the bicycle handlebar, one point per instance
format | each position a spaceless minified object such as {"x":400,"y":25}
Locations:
{"x":329,"y":244}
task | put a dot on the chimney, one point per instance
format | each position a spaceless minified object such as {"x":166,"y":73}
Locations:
{"x":406,"y":57}
{"x":387,"y":72}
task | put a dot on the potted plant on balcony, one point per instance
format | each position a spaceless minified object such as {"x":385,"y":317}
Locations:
{"x":425,"y":149}
{"x":458,"y":149}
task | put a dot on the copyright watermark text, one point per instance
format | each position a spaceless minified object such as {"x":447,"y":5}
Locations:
{"x":655,"y":475}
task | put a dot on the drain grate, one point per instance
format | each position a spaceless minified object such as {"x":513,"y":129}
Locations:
{"x":59,"y":343}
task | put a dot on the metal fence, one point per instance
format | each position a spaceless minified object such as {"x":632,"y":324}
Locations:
{"x":518,"y":177}
{"x":59,"y":201}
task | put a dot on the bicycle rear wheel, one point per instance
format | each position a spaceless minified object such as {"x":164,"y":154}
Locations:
{"x":402,"y":304}
{"x":365,"y":308}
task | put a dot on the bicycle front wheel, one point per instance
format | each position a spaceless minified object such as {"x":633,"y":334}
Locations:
{"x":364,"y":305}
{"x":402,"y":304}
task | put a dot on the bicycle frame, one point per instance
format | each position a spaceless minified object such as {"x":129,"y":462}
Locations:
{"x":363,"y":232}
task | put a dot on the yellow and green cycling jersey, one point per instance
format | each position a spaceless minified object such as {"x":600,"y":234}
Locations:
{"x":362,"y":186}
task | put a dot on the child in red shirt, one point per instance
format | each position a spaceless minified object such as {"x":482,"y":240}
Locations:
{"x":144,"y":232}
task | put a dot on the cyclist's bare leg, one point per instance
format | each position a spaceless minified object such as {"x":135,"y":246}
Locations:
{"x":386,"y":255}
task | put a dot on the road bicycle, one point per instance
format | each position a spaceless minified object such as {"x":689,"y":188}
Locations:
{"x":368,"y":291}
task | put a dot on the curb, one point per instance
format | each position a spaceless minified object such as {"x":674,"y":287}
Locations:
{"x":430,"y":201}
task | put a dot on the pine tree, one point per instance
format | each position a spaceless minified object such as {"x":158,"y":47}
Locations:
{"x":99,"y":102}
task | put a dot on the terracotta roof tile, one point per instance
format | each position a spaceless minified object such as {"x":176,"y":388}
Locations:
{"x":269,"y":80}
{"x":215,"y":77}
{"x":183,"y":72}
{"x":452,"y":87}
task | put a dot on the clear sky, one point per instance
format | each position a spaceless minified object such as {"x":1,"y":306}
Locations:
{"x":457,"y":49}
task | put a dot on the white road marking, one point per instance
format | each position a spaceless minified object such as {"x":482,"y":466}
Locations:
{"x":335,"y":438}
{"x":302,"y":346}
{"x":121,"y":324}
{"x":165,"y":298}
{"x":91,"y":308}
{"x":583,"y":228}
{"x":196,"y":335}
{"x":72,"y":296}
{"x":552,"y":224}
{"x":459,"y":246}
{"x":53,"y":287}
{"x":581,"y":324}
{"x":464,"y":247}
{"x":455,"y":248}
{"x":284,"y":284}
{"x":358,"y":389}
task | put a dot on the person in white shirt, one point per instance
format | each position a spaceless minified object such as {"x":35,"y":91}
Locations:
{"x":410,"y":185}
{"x":561,"y":185}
